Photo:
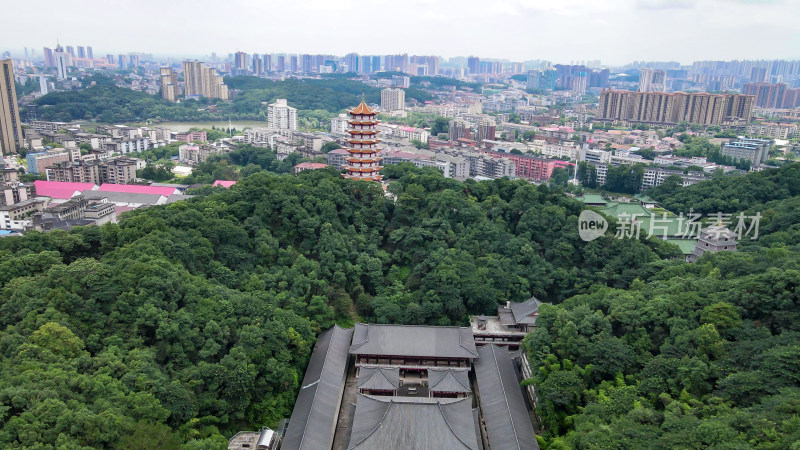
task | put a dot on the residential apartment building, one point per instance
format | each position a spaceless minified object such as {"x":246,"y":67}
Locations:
{"x":75,"y":172}
{"x":749,"y":149}
{"x":195,"y":154}
{"x":392,"y":100}
{"x":773,"y":95}
{"x":113,"y":171}
{"x":191,"y":136}
{"x":558,"y":151}
{"x":19,"y":215}
{"x":412,"y":134}
{"x":124,"y":146}
{"x":11,"y":137}
{"x":202,"y":81}
{"x":38,"y":162}
{"x":339,"y":124}
{"x":774,"y":130}
{"x":458,"y":129}
{"x":169,"y":84}
{"x":652,"y":80}
{"x":672,"y":108}
{"x":282,"y":116}
{"x":485,"y":130}
{"x":16,"y":192}
{"x":265,"y":136}
{"x":118,"y":171}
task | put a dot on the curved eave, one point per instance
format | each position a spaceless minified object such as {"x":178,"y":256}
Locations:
{"x":362,"y":169}
{"x":363,"y":142}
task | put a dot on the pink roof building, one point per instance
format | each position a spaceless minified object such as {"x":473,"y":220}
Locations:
{"x":224,"y":183}
{"x":60,"y":189}
{"x":138,"y":189}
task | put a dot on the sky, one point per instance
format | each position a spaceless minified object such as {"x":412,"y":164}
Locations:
{"x":615,"y":32}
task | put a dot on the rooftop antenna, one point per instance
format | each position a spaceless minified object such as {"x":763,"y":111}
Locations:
{"x":362,"y":96}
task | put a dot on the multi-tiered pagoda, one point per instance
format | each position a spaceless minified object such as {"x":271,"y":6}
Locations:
{"x":363,"y":163}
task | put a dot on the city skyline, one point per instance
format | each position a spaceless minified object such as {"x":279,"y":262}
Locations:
{"x":610,"y":31}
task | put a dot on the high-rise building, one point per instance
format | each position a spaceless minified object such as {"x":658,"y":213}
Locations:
{"x":534,"y":80}
{"x":169,"y":84}
{"x":306,"y":64}
{"x":458,"y":129}
{"x":293,"y":64}
{"x":758,"y":74}
{"x":401,"y":81}
{"x":281,"y":116}
{"x":81,"y":52}
{"x":651,"y":80}
{"x":281,"y":67}
{"x":89,"y":52}
{"x":199,"y":80}
{"x":240,"y":60}
{"x":11,"y":138}
{"x":473,"y":64}
{"x":267,"y":63}
{"x":393,"y":100}
{"x":62,"y":62}
{"x":376,"y":63}
{"x":486,"y":130}
{"x":351,"y":59}
{"x":773,"y":96}
{"x":258,"y":66}
{"x":663,"y":108}
{"x":49,"y":60}
{"x":71,"y":51}
{"x":43,"y":89}
{"x":363,"y":163}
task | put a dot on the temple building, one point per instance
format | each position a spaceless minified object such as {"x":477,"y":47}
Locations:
{"x":511,"y":324}
{"x":716,"y":238}
{"x":413,"y":387}
{"x":363,"y":162}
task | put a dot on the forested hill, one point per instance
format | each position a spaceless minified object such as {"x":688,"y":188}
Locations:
{"x":700,"y":355}
{"x":107,"y":103}
{"x":189,"y":321}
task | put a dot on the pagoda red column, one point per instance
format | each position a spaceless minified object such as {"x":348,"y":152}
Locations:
{"x":363,"y":163}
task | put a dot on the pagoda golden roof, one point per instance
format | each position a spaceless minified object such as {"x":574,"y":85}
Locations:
{"x":362,"y":110}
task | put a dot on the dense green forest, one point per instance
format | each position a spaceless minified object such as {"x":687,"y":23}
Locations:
{"x":107,"y":103}
{"x":700,"y":355}
{"x":729,"y":193}
{"x":193,"y":320}
{"x":186,"y":322}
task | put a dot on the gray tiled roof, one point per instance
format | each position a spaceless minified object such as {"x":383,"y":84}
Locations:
{"x":448,"y":380}
{"x":418,"y":341}
{"x":126,"y":197}
{"x":379,"y":378}
{"x":523,"y":310}
{"x":508,"y":423}
{"x":313,"y":420}
{"x":383,"y":423}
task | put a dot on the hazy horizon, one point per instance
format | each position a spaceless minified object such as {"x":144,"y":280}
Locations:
{"x":616,"y":32}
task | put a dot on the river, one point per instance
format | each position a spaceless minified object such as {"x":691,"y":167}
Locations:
{"x":238,"y":124}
